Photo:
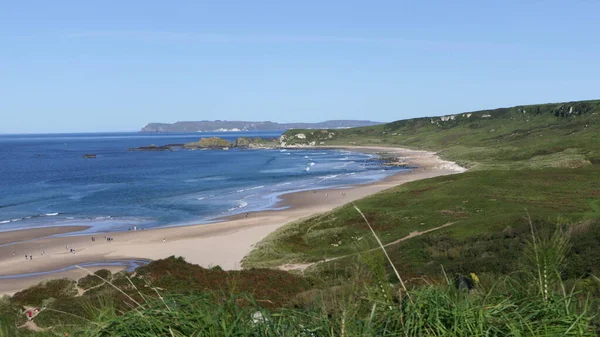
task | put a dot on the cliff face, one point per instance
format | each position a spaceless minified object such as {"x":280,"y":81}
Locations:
{"x":224,"y":126}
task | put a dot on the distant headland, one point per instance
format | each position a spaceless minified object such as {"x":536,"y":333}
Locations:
{"x":233,"y":126}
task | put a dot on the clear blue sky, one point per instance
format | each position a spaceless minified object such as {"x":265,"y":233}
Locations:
{"x":73,"y":66}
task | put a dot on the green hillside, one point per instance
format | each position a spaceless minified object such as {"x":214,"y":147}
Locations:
{"x":556,"y":148}
{"x":545,"y":135}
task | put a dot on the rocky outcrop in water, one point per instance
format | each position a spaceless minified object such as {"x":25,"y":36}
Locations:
{"x":247,"y":142}
{"x":214,"y":143}
{"x":208,"y":143}
{"x":168,"y":147}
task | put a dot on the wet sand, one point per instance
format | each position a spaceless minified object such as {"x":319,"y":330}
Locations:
{"x":223,"y":243}
{"x":36,"y":233}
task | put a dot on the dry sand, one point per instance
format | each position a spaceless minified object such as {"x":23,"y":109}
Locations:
{"x":224,"y":243}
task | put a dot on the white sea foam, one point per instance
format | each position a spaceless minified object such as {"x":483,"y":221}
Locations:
{"x":4,"y":221}
{"x":241,"y":204}
{"x":249,"y":189}
{"x":312,"y":163}
{"x":51,"y":214}
{"x":283,"y":184}
{"x":201,"y":198}
{"x":343,"y":165}
{"x":307,"y":169}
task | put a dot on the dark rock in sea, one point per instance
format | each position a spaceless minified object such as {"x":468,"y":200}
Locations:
{"x":152,"y":148}
{"x":89,"y":155}
{"x":391,"y":161}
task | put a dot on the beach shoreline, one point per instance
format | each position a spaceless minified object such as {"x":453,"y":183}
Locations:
{"x":223,"y":243}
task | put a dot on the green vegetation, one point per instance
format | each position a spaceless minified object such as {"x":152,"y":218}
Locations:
{"x":534,"y":136}
{"x":35,"y":296}
{"x":533,"y":302}
{"x":256,"y":142}
{"x":211,"y":142}
{"x":521,"y":228}
{"x":487,"y":210}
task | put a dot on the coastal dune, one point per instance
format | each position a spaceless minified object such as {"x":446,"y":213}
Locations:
{"x":224,"y":243}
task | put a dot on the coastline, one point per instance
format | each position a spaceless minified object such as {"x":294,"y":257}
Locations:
{"x":223,"y":243}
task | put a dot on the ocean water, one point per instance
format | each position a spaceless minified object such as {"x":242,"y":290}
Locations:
{"x":44,"y":181}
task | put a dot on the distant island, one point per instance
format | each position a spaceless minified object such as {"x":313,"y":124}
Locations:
{"x":233,"y":126}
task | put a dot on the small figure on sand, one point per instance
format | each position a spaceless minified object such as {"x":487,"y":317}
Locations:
{"x":25,"y":256}
{"x":247,"y":215}
{"x":164,"y":240}
{"x":31,"y":257}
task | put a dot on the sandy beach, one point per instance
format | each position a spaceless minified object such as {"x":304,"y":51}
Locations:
{"x":224,"y":243}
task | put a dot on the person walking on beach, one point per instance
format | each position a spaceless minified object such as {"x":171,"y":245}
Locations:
{"x":25,"y":256}
{"x":31,"y":257}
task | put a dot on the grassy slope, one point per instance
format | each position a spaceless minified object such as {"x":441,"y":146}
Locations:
{"x":520,"y":137}
{"x":536,"y":158}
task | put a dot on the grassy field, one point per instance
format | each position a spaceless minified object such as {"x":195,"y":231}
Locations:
{"x":487,"y":208}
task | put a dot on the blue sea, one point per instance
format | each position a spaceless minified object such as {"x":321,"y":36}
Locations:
{"x":45,"y":181}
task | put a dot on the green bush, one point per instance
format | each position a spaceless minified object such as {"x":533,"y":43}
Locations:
{"x":35,"y":296}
